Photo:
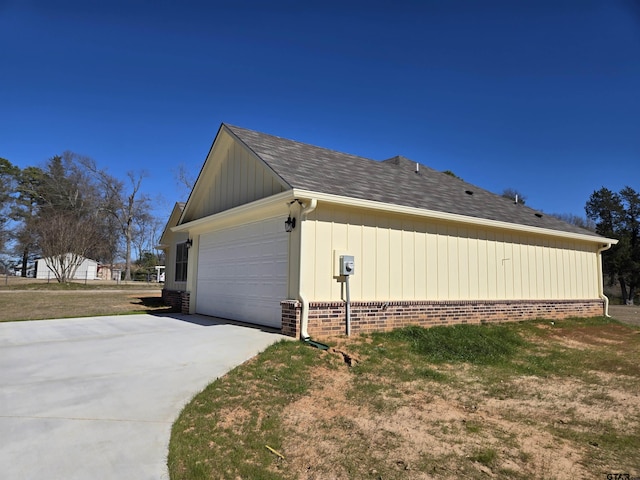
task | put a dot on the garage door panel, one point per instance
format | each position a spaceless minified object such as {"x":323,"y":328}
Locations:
{"x":242,"y":272}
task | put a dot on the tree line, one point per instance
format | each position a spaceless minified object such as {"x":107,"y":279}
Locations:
{"x":70,"y":209}
{"x":617,"y":215}
{"x":612,"y":215}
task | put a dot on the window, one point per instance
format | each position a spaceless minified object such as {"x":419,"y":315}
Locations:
{"x":181,"y":262}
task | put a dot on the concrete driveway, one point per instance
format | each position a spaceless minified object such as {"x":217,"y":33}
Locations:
{"x":96,"y":397}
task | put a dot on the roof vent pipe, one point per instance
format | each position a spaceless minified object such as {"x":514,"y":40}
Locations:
{"x":417,"y":167}
{"x":516,"y":198}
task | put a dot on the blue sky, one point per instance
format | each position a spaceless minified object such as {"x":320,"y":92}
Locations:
{"x":540,"y":96}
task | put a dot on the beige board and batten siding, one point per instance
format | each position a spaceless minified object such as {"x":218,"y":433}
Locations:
{"x":400,"y":257}
{"x":233,"y":176}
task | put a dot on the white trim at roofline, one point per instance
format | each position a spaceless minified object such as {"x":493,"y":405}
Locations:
{"x":452,"y":217}
{"x":274,"y":202}
{"x":251,"y":210}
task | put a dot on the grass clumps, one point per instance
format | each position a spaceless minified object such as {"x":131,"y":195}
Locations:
{"x":476,"y":344}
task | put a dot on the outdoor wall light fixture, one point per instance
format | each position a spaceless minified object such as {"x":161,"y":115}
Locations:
{"x":189,"y":243}
{"x":289,"y":224}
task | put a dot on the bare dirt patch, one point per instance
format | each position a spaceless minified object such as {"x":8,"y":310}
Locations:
{"x":596,"y":336}
{"x":539,"y":428}
{"x":431,"y":433}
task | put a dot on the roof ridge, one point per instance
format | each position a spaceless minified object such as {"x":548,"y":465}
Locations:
{"x":299,"y":142}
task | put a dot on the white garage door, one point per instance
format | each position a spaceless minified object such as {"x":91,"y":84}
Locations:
{"x":242,"y":272}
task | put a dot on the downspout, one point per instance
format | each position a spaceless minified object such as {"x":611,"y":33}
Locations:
{"x":601,"y":294}
{"x":304,"y":315}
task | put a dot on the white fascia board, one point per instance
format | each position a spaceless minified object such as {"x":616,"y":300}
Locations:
{"x":249,"y":211}
{"x":451,"y":217}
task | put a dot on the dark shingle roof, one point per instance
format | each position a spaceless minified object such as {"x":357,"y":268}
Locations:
{"x":392,"y":181}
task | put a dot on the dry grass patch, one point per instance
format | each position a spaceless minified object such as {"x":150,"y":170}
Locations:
{"x":59,"y":302}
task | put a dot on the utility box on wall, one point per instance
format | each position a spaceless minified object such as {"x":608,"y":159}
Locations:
{"x":347,"y":265}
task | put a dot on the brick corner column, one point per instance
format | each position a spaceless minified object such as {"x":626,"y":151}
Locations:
{"x":291,"y":313}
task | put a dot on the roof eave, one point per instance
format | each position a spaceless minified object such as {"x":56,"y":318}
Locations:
{"x":451,"y":217}
{"x":253,"y":210}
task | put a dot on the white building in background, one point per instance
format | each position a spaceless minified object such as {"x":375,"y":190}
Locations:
{"x":87,"y":270}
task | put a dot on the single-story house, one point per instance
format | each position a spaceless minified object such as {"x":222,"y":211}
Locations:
{"x":87,"y":269}
{"x":271,"y":224}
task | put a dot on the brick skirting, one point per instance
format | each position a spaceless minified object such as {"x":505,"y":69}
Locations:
{"x":328,"y":319}
{"x":177,"y":300}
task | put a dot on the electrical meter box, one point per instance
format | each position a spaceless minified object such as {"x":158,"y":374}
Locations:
{"x":347,"y":266}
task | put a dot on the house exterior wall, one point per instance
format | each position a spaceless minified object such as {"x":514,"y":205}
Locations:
{"x":402,"y":258}
{"x":170,"y":241}
{"x":170,"y":263}
{"x":234,"y":176}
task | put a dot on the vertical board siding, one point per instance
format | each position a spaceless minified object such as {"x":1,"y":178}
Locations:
{"x":519,"y":282}
{"x":354,"y":238}
{"x":414,"y":259}
{"x":442,"y":271}
{"x":381,"y":261}
{"x":323,"y":265}
{"x":235,"y":177}
{"x":507,"y":266}
{"x":463,"y":262}
{"x":432,"y":261}
{"x":420,"y":265}
{"x":481,"y":242}
{"x":367,"y":269}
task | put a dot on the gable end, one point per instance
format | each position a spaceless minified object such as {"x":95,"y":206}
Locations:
{"x":232,"y":175}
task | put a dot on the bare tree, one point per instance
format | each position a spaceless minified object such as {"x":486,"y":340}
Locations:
{"x":147,"y":233}
{"x":65,"y":239}
{"x":58,"y":208}
{"x":515,"y":195}
{"x":91,"y":202}
{"x":184,"y":178}
{"x":451,"y":174}
{"x":125,"y":203}
{"x":578,"y":221}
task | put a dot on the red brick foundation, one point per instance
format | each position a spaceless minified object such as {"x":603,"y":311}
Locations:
{"x":177,"y":300}
{"x":327,"y":319}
